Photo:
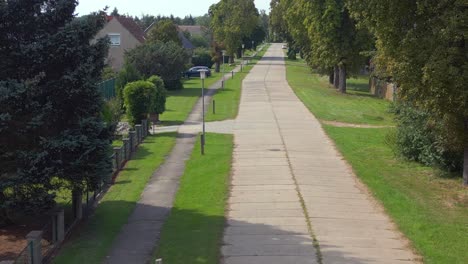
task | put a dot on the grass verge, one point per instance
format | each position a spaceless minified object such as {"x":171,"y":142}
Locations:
{"x":431,"y":211}
{"x":193,"y":231}
{"x":94,"y":239}
{"x":179,"y":103}
{"x":357,"y":106}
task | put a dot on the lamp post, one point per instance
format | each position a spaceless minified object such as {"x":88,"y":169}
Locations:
{"x":224,"y":54}
{"x":202,"y":141}
{"x":242,"y":56}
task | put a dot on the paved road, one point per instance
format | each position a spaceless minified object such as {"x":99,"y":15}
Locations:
{"x":289,"y":184}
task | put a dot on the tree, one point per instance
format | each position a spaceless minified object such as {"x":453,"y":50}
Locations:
{"x":51,"y":131}
{"x":232,"y":20}
{"x":422,"y":47}
{"x":115,"y":12}
{"x":145,"y":21}
{"x":277,"y":21}
{"x":164,"y":31}
{"x":163,"y":59}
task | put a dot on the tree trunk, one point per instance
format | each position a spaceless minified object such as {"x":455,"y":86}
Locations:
{"x":231,"y":58}
{"x":331,"y":77}
{"x":465,"y":155}
{"x":336,"y":77}
{"x":342,"y":84}
{"x":217,"y":66}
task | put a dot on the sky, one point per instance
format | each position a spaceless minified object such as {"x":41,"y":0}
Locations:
{"x":178,"y":8}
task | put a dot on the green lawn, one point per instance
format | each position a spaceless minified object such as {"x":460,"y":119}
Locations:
{"x":179,"y":103}
{"x":193,"y":231}
{"x":432,"y":211}
{"x":227,"y":99}
{"x":358,"y":106}
{"x":92,"y":241}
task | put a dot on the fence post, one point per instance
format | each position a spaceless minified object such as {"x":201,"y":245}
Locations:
{"x":118,"y":158}
{"x":139,"y":133}
{"x":77,"y":204}
{"x":58,"y":226}
{"x":35,"y":238}
{"x":126,"y":145}
{"x":133,"y":140}
{"x":144,"y":123}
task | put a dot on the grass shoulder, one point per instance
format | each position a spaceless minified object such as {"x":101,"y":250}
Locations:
{"x":92,"y":241}
{"x":358,"y":106}
{"x":432,"y":211}
{"x":193,"y":231}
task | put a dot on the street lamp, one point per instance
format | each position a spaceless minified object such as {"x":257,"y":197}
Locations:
{"x":242,"y":55}
{"x":224,"y":54}
{"x":202,"y":141}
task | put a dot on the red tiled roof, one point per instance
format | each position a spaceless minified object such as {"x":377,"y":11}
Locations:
{"x":194,"y":30}
{"x":131,"y":26}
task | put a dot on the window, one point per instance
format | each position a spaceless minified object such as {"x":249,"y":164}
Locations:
{"x":114,"y":39}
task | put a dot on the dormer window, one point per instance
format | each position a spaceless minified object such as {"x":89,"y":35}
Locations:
{"x":114,"y":39}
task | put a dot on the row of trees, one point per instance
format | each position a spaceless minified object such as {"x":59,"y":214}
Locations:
{"x":233,"y":23}
{"x":420,"y":45}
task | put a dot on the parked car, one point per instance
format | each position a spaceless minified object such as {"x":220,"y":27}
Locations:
{"x":195,"y":71}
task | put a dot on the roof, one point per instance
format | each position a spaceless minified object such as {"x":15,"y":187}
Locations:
{"x":129,"y":24}
{"x":194,"y":30}
{"x":185,"y":42}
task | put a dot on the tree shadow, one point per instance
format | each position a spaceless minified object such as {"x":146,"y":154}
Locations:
{"x":179,"y":236}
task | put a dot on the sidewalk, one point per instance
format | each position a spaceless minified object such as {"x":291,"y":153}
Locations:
{"x":139,"y":237}
{"x":289,"y":186}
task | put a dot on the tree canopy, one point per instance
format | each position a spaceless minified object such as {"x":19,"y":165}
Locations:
{"x":164,"y":31}
{"x":232,"y":20}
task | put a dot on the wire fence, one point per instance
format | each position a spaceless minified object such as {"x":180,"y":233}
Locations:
{"x":107,"y":88}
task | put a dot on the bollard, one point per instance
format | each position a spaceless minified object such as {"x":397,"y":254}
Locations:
{"x":58,"y":226}
{"x":214,"y":107}
{"x":222,"y":83}
{"x":34,"y":238}
{"x":232,"y":74}
{"x":202,"y":144}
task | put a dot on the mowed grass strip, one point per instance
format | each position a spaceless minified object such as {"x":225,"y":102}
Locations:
{"x":179,"y":103}
{"x":227,"y":99}
{"x":91,"y":242}
{"x":193,"y":231}
{"x":432,"y":211}
{"x":358,"y":106}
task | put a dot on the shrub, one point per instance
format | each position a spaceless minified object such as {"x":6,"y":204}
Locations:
{"x":291,"y":54}
{"x":424,"y":138}
{"x":137,"y":99}
{"x":111,"y":112}
{"x":158,"y":105}
{"x":163,"y":59}
{"x":202,"y":57}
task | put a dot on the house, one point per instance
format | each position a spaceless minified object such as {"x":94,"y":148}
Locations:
{"x":193,"y":30}
{"x":124,"y":35}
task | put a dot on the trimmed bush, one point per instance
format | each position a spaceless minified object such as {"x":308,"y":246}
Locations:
{"x":138,"y":99}
{"x":158,"y":105}
{"x":128,"y":74}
